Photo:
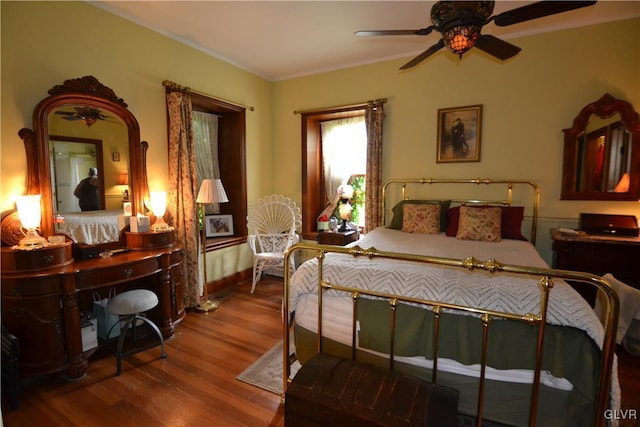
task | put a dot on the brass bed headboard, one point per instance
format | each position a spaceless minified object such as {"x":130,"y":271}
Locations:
{"x":509,"y":183}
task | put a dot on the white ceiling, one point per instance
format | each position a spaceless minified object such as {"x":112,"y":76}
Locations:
{"x":283,"y":39}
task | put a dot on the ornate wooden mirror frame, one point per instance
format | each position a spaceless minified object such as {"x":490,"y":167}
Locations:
{"x":84,"y":91}
{"x":605,"y":107}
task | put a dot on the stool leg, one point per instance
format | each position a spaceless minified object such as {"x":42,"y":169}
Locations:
{"x":157,"y":331}
{"x":123,"y":334}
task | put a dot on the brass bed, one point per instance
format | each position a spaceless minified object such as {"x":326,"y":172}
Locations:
{"x":518,"y":342}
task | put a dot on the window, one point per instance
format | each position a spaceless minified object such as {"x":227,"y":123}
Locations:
{"x":231,"y":160}
{"x":344,"y":159}
{"x":315,"y":191}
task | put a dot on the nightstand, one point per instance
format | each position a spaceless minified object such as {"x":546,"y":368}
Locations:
{"x":338,"y":238}
{"x":597,"y":255}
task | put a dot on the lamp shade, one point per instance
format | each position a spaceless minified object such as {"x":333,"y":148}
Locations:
{"x":211,"y":191}
{"x":123,"y":179}
{"x":29,"y":211}
{"x":158,"y":202}
{"x":623,"y":184}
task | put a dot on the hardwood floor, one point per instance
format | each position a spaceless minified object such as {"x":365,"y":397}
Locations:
{"x":196,"y":384}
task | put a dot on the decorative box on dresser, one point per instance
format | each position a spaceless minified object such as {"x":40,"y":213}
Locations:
{"x":43,"y":299}
{"x":597,"y":255}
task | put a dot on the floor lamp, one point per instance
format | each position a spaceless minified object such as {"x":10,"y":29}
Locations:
{"x":211,"y":191}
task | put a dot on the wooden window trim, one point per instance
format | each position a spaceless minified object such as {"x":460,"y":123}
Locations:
{"x":232,"y":160}
{"x":313,"y":188}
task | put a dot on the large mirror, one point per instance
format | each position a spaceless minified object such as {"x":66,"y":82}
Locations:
{"x":83,"y":130}
{"x":602,"y":153}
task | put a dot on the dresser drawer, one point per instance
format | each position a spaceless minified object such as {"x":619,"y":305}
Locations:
{"x":19,"y":285}
{"x":117,"y":273}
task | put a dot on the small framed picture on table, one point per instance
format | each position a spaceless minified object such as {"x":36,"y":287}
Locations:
{"x":218,"y":225}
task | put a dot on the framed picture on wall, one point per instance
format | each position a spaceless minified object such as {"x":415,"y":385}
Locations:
{"x":459,"y":131}
{"x":218,"y":225}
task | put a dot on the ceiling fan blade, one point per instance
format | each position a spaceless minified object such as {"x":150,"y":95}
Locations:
{"x":420,"y":32}
{"x":424,"y":55}
{"x":538,"y":10}
{"x":497,"y":47}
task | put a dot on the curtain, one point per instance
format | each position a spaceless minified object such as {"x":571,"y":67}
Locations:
{"x":205,"y":134}
{"x":343,"y":142}
{"x":374,"y":115}
{"x":75,"y":163}
{"x":181,"y":197}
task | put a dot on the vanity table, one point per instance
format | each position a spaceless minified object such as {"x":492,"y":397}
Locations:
{"x":43,"y":307}
{"x":598,"y":255}
{"x":46,"y":292}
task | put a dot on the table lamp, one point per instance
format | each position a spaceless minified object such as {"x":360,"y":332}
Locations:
{"x":29,"y":214}
{"x":158,"y":201}
{"x":211,"y":191}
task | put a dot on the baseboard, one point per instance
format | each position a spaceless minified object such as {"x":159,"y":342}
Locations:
{"x":228,"y":281}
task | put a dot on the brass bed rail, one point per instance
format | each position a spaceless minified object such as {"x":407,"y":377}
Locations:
{"x":546,"y":277}
{"x":509,"y":183}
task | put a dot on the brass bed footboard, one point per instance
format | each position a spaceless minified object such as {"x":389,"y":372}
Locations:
{"x":545,"y":278}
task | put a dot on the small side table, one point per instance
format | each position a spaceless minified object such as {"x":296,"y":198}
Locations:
{"x":338,"y":238}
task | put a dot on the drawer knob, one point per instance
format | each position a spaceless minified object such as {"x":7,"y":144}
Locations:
{"x":128,"y":272}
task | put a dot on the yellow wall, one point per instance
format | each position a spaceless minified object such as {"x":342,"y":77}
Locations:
{"x":527,"y":101}
{"x":45,"y":43}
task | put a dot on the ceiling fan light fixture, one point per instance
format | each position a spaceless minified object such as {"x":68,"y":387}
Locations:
{"x":461,"y":38}
{"x":89,"y":120}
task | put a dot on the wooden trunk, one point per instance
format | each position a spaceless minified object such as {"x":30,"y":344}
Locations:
{"x":330,"y":391}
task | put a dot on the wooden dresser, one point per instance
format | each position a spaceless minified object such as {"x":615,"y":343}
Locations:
{"x":43,"y":306}
{"x":598,"y":255}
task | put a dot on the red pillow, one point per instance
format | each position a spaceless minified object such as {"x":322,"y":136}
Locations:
{"x":510,"y":222}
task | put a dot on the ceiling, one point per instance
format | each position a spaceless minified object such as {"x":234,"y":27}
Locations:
{"x":278,"y":40}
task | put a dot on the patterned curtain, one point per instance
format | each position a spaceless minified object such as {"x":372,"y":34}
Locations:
{"x":374,"y":115}
{"x":181,"y":197}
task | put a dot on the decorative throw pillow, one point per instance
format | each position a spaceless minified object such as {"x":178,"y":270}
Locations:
{"x":397,"y":219}
{"x":510,"y":227}
{"x":481,"y":224}
{"x":423,"y":219}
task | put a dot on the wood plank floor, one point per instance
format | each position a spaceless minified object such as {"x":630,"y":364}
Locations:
{"x":196,"y":385}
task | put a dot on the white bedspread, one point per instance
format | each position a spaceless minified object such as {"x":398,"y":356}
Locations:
{"x":496,"y":291}
{"x":91,"y":227}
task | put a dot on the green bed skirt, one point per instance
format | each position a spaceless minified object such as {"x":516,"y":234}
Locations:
{"x":568,"y":353}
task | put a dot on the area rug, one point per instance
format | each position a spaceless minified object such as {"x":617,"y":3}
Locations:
{"x":266,"y":372}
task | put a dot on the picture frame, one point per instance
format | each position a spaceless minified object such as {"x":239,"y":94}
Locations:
{"x":218,"y":225}
{"x":116,"y":156}
{"x":459,"y":134}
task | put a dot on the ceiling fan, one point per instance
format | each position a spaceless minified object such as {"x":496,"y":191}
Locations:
{"x":460,"y":24}
{"x":87,"y":114}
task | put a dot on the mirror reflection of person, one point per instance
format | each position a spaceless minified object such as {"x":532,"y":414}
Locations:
{"x":87,"y":192}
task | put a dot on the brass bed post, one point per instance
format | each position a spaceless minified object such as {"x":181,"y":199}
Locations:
{"x":546,"y":284}
{"x":354,"y":321}
{"x":486,"y":320}
{"x":320,"y":256}
{"x":437,"y":311}
{"x":286,"y":368}
{"x":393,"y":305}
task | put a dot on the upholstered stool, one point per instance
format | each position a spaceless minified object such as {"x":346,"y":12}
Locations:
{"x":130,"y":305}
